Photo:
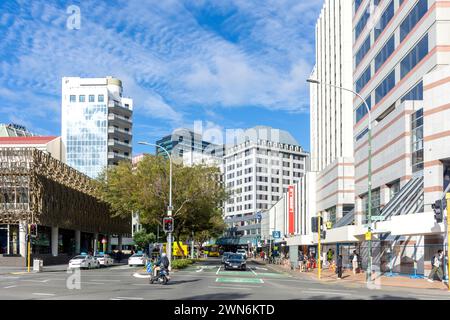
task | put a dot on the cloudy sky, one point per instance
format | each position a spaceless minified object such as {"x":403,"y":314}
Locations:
{"x":228,"y":63}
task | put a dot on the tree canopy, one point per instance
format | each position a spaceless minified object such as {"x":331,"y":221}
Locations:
{"x":197,"y":195}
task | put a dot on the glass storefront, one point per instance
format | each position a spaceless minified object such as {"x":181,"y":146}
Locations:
{"x":66,"y":242}
{"x":42,"y":243}
{"x":3,"y":238}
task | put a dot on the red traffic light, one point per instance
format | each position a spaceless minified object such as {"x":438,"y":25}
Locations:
{"x":168,"y":224}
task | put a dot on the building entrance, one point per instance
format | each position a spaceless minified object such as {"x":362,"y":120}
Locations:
{"x":3,"y":239}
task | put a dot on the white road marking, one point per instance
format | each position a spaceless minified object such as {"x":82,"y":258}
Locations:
{"x":39,"y":281}
{"x":9,"y":287}
{"x":199,"y":270}
{"x":137,"y":275}
{"x":258,"y":268}
{"x":218,"y":270}
{"x":128,"y":298}
{"x":253,"y":272}
{"x":43,"y":294}
{"x":233,"y":287}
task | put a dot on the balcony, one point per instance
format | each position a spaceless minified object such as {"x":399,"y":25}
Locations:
{"x":119,"y":118}
{"x":123,"y":132}
{"x":115,"y":143}
{"x":119,"y":108}
{"x":113,"y":155}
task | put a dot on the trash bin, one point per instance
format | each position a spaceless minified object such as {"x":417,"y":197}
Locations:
{"x":37,"y":265}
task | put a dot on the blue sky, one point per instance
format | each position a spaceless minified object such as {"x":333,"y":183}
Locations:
{"x":229,"y":63}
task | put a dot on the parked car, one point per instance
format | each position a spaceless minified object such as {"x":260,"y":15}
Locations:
{"x":243,"y":252}
{"x":225,"y":256}
{"x":104,"y":259}
{"x":236,"y":261}
{"x":83,"y":262}
{"x":138,"y":259}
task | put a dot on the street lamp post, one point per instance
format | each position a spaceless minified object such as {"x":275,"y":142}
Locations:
{"x":170,"y":208}
{"x":369,"y":174}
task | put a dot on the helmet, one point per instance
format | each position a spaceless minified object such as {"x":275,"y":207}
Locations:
{"x":164,"y":254}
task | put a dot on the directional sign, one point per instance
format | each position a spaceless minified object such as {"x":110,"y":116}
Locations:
{"x":276,"y":234}
{"x":368,"y":236}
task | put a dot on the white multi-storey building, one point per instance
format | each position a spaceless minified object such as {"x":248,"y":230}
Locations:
{"x":331,"y":130}
{"x":258,"y":170}
{"x":96,"y":123}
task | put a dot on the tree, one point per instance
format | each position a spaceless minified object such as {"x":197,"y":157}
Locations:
{"x":142,"y":239}
{"x":197,"y":195}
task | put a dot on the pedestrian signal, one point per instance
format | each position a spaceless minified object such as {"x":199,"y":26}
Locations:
{"x":168,"y":224}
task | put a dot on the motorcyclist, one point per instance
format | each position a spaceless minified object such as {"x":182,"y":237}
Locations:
{"x":163,"y":262}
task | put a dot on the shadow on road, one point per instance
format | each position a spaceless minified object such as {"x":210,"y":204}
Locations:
{"x":175,"y":282}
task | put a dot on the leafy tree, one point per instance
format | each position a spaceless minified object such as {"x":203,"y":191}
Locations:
{"x":142,"y":239}
{"x":197,"y":195}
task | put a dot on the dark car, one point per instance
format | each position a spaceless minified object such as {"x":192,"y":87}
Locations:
{"x":225,"y":256}
{"x":236,"y":261}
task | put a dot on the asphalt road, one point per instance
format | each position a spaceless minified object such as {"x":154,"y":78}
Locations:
{"x":204,"y":281}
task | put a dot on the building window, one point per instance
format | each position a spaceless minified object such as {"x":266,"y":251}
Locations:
{"x":73,"y":98}
{"x":417,"y":141}
{"x":385,"y":53}
{"x":384,"y":20}
{"x":362,"y":110}
{"x":361,"y":53}
{"x":414,"y":56}
{"x":363,"y":79}
{"x":375,"y":204}
{"x":415,"y":93}
{"x":362,"y":23}
{"x":357,"y":4}
{"x":332,"y":215}
{"x":385,"y":87}
{"x":362,"y":134}
{"x":394,"y":188}
{"x":91,"y":98}
{"x":82,"y":98}
{"x":413,"y":18}
{"x":101,"y":98}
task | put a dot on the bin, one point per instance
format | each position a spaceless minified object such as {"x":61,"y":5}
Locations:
{"x":37,"y":265}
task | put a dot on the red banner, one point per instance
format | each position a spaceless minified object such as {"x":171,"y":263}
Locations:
{"x":291,"y":204}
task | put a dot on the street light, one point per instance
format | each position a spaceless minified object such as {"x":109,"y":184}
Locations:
{"x":369,"y":174}
{"x":170,"y":208}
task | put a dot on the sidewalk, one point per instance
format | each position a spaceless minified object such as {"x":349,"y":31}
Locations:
{"x":328,"y":276}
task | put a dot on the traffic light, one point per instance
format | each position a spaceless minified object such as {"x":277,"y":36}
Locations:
{"x":33,"y":230}
{"x":314,"y":224}
{"x":168,"y":224}
{"x":438,"y":211}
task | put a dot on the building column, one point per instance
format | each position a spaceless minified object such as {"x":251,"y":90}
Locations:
{"x":23,"y":238}
{"x":77,"y":241}
{"x":119,"y":243}
{"x":339,"y":212}
{"x":420,"y":254}
{"x":385,"y":194}
{"x":95,"y":243}
{"x":109,"y":245}
{"x":54,"y":241}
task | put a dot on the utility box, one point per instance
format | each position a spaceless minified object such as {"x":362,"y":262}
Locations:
{"x":38,"y":265}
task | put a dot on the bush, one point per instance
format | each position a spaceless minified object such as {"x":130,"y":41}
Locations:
{"x":182,"y":263}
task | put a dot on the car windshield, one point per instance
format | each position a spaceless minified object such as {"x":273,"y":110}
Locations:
{"x":79,"y":257}
{"x":236,"y":257}
{"x":137,"y":255}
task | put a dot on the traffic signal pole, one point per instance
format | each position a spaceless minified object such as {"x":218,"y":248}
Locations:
{"x":29,"y":248}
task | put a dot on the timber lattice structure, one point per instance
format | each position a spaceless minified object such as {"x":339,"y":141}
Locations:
{"x":37,"y":188}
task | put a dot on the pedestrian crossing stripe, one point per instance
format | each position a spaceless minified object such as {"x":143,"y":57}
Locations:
{"x":263,"y":274}
{"x":235,"y":273}
{"x":239,"y":280}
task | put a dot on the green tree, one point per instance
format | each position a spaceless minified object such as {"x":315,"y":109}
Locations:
{"x":197,"y":195}
{"x":142,"y":239}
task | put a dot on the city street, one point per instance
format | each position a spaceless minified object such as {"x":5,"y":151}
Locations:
{"x":206,"y":281}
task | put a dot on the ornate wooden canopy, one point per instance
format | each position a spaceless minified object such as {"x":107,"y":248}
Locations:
{"x":36,"y":188}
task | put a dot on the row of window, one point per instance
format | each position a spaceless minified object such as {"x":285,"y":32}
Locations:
{"x":91,"y":97}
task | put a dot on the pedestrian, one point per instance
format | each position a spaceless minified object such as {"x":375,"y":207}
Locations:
{"x":330,"y":255}
{"x":355,"y":262}
{"x":339,"y":266}
{"x":301,"y":259}
{"x":436,"y":263}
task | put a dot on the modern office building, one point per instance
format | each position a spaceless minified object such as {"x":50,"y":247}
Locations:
{"x":331,"y":114}
{"x":96,"y":123}
{"x":183,"y":141}
{"x":13,"y":130}
{"x":258,"y":170}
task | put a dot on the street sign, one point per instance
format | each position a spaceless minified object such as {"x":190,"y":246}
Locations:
{"x":276,"y":234}
{"x":377,"y":218}
{"x":368,"y":236}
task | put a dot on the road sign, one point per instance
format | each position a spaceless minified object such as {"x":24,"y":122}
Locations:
{"x":368,"y":236}
{"x":276,"y":234}
{"x":168,"y":224}
{"x":377,"y":218}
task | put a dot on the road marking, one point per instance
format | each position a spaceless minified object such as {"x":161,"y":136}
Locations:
{"x":240,"y":280}
{"x":43,"y":294}
{"x":326,"y":292}
{"x":254,"y":272}
{"x":127,"y":298}
{"x":199,"y":270}
{"x":9,"y":287}
{"x":137,"y":275}
{"x":258,"y":268}
{"x":218,"y":270}
{"x":236,"y":287}
{"x":38,"y":281}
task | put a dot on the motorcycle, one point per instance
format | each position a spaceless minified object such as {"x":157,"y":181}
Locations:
{"x":162,"y":276}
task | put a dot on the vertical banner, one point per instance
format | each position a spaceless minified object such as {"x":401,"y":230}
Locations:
{"x":291,"y":225}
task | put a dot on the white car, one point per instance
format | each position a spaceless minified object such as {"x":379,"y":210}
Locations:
{"x":104,"y":259}
{"x":242,"y":252}
{"x":138,"y":259}
{"x":83,"y":261}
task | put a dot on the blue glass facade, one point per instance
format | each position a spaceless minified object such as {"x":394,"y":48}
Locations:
{"x":385,"y":87}
{"x":385,"y":19}
{"x":414,"y":56}
{"x":385,"y":53}
{"x":362,"y":51}
{"x":413,"y":18}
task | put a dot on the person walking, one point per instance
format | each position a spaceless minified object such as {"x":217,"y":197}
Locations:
{"x":436,"y":263}
{"x":339,"y":266}
{"x":330,"y":255}
{"x":355,"y":260}
{"x":301,"y":258}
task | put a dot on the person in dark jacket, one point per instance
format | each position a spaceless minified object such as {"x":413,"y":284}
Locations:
{"x":339,"y":266}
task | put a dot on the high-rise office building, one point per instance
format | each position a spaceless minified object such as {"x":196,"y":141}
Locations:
{"x":14,"y":130}
{"x":258,"y":170}
{"x":96,"y":123}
